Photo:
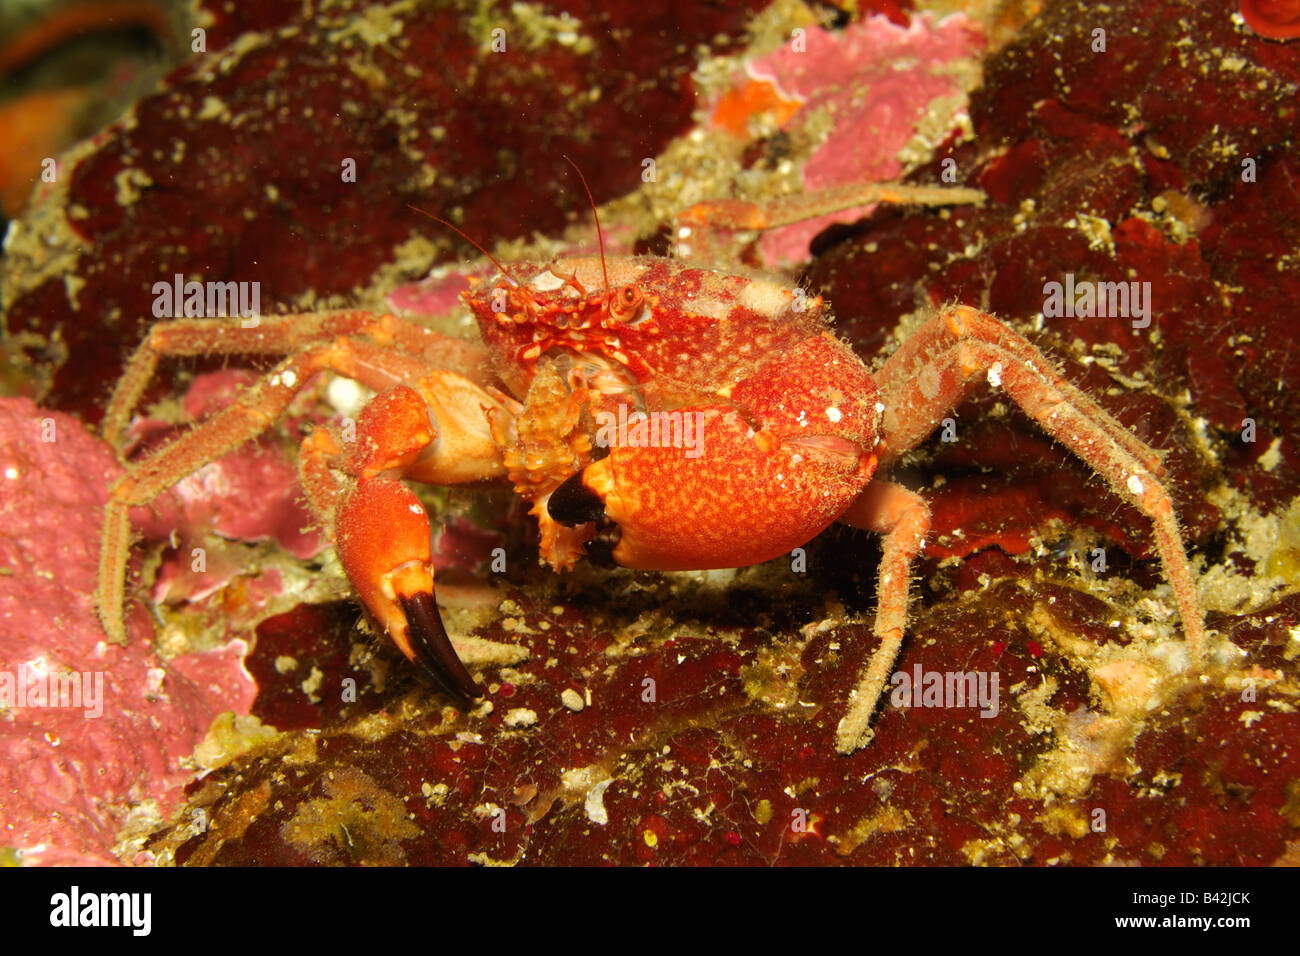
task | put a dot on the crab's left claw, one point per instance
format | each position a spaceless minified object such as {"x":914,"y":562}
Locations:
{"x":383,"y":543}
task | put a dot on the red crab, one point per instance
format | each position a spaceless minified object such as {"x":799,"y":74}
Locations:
{"x":662,"y":414}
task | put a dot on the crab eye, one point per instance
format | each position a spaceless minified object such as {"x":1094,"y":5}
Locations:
{"x":626,"y":302}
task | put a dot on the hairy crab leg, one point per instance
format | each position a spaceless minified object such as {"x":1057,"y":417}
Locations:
{"x":698,"y":225}
{"x":282,"y":335}
{"x":254,"y":411}
{"x":909,"y":422}
{"x":903,"y":517}
{"x":928,"y":377}
{"x":469,"y":454}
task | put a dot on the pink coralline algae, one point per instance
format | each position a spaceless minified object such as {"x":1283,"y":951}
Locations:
{"x":69,"y":775}
{"x":875,"y":82}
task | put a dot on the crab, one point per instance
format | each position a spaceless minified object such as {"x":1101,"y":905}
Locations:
{"x":658,"y":413}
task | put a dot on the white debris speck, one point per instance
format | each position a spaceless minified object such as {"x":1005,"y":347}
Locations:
{"x":153,"y":679}
{"x":289,"y":379}
{"x":520,"y":717}
{"x":928,"y":382}
{"x":834,"y":414}
{"x":595,"y":803}
{"x":995,"y":374}
{"x":1135,"y":484}
{"x":312,"y":684}
{"x":11,"y":473}
{"x":684,"y":232}
{"x":416,"y":509}
{"x":880,"y":408}
{"x":572,"y":700}
{"x":345,"y":396}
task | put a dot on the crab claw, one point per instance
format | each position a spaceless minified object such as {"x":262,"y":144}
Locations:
{"x":573,"y":503}
{"x":665,"y":511}
{"x":737,"y":482}
{"x":431,"y":648}
{"x":383,"y":543}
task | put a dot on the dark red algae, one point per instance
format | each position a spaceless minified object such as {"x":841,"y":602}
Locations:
{"x":640,"y":718}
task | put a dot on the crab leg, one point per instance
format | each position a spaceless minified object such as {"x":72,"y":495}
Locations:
{"x":282,"y":335}
{"x":395,"y":434}
{"x":778,"y":441}
{"x":701,"y":223}
{"x":929,"y":376}
{"x":911,"y":416}
{"x":382,"y":538}
{"x":904,"y":519}
{"x":255,"y":410}
{"x":380,"y":529}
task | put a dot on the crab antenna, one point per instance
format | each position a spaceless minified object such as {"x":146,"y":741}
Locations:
{"x":600,"y":237}
{"x":458,"y":232}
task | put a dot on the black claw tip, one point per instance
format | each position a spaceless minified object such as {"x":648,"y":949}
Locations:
{"x":573,"y":503}
{"x":433,"y":648}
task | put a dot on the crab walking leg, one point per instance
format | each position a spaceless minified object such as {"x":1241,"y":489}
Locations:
{"x":282,"y":335}
{"x":922,"y":381}
{"x":904,"y":519}
{"x":254,"y":411}
{"x":318,"y":456}
{"x":703,"y":220}
{"x":909,"y":424}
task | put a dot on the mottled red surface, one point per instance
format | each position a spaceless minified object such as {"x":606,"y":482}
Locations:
{"x":730,"y":760}
{"x":709,"y":774}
